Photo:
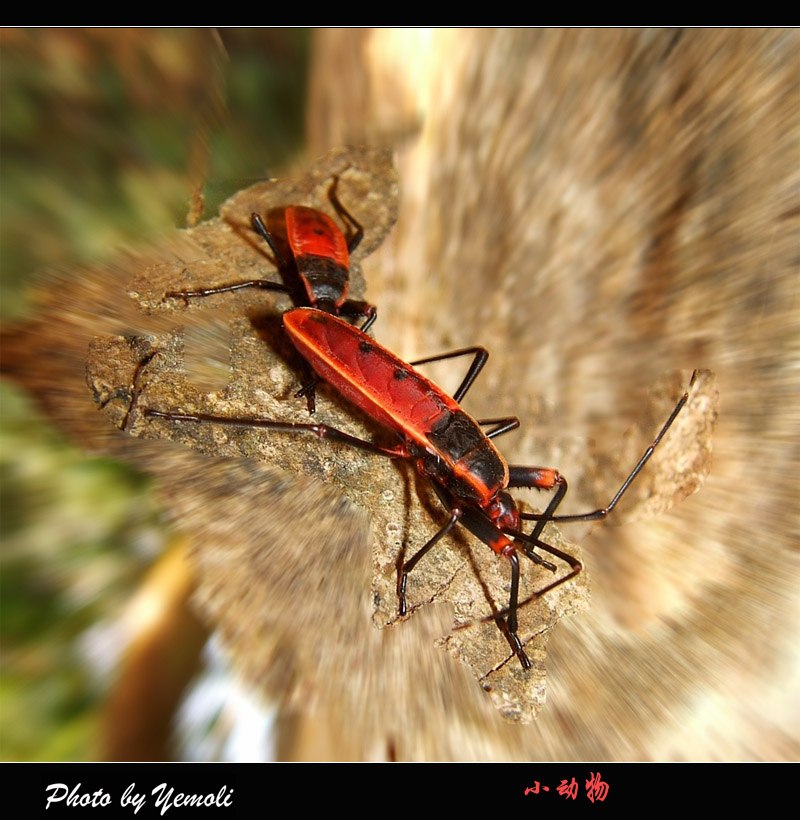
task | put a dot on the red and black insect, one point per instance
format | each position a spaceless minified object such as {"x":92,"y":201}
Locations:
{"x":446,"y":445}
{"x":319,"y":265}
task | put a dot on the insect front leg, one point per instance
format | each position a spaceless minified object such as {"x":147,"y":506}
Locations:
{"x":261,"y":284}
{"x":538,"y":477}
{"x":349,"y":220}
{"x":511,"y":621}
{"x":499,"y":542}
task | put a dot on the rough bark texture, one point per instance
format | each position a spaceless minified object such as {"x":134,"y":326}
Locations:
{"x":403,"y":511}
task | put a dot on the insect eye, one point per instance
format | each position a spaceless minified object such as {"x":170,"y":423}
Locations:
{"x":504,"y":511}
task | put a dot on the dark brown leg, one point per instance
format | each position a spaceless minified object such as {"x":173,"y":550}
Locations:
{"x":261,"y":229}
{"x":322,"y":431}
{"x":483,"y":529}
{"x":134,"y":389}
{"x":349,"y":220}
{"x":481,"y":355}
{"x":504,"y":425}
{"x":263,"y":284}
{"x":455,"y":516}
{"x":530,"y":477}
{"x":511,"y":621}
{"x":356,"y":309}
{"x":525,"y":543}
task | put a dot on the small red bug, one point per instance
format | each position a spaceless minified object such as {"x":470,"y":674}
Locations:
{"x":446,"y":445}
{"x":320,"y":260}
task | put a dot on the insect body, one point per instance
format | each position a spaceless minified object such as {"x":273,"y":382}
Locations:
{"x":320,"y":264}
{"x":446,"y":445}
{"x":322,"y":257}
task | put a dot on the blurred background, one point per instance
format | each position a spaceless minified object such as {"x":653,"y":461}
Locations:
{"x":106,"y":136}
{"x":596,"y":207}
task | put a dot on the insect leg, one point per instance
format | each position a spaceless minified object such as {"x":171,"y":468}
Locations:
{"x":349,"y":220}
{"x":261,"y":229}
{"x":525,"y":543}
{"x":355,"y":308}
{"x":455,"y":516}
{"x":481,"y":355}
{"x":134,"y":389}
{"x":509,"y":616}
{"x":322,"y":431}
{"x":542,"y":478}
{"x":511,"y":621}
{"x":263,"y":284}
{"x":496,"y":539}
{"x":309,"y":390}
{"x":604,"y":511}
{"x":504,"y":425}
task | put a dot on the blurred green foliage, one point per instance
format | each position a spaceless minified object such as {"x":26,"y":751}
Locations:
{"x":104,"y":137}
{"x":104,"y":133}
{"x":77,"y":534}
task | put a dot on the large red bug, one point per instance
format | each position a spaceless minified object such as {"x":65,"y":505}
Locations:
{"x":320,"y":262}
{"x":446,"y":445}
